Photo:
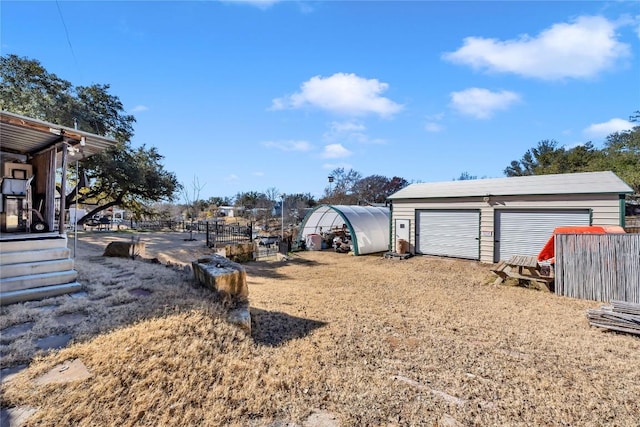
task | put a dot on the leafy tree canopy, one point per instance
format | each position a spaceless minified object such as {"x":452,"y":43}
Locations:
{"x":122,"y":175}
{"x":619,"y":154}
{"x":27,"y":88}
{"x":349,"y":188}
{"x":217,"y":201}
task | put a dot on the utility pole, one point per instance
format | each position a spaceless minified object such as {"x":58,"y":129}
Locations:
{"x":282,"y":215}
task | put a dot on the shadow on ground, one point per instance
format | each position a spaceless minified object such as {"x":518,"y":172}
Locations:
{"x":274,"y":328}
{"x":270,"y":270}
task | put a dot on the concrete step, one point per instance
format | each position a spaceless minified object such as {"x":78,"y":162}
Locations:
{"x":39,"y":267}
{"x":7,"y":258}
{"x":32,"y":244}
{"x":38,"y":293}
{"x":37,"y":280}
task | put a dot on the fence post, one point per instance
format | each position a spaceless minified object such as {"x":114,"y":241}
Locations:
{"x":207,"y":232}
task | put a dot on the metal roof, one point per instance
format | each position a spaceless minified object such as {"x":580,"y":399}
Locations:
{"x":24,"y":135}
{"x":568,"y":183}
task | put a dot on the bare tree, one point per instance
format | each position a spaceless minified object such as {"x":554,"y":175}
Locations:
{"x":191,"y":196}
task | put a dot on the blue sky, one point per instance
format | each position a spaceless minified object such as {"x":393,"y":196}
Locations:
{"x":247,"y":96}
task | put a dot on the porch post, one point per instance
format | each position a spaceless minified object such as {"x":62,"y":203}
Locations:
{"x":63,"y":189}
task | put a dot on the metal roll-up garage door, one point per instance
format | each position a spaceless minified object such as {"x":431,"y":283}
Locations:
{"x":525,"y":232}
{"x":453,"y":233}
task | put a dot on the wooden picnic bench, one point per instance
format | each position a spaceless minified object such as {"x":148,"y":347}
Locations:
{"x":523,"y":267}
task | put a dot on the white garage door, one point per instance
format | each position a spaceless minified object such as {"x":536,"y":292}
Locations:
{"x":449,"y":233}
{"x":525,"y":232}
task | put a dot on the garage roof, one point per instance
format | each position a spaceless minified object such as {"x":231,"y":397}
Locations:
{"x":24,"y":135}
{"x":569,"y":183}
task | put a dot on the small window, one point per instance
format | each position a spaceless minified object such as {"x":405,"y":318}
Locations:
{"x":402,"y":225}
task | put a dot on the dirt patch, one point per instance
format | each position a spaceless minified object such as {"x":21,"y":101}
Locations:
{"x":370,"y":341}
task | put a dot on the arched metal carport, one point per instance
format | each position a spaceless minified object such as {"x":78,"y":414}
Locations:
{"x":367,"y":225}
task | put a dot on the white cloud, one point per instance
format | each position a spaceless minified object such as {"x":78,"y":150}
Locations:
{"x":139,"y":108}
{"x":350,"y":126}
{"x":433,"y":123}
{"x":602,"y":130}
{"x":231,"y":178}
{"x":351,"y":131}
{"x":341,"y":93}
{"x":290,"y":145}
{"x":482,"y":103}
{"x":572,"y":145}
{"x":579,"y":49}
{"x":258,"y":173}
{"x":433,"y":127}
{"x":335,"y":151}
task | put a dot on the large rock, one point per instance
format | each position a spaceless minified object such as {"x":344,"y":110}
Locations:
{"x":241,"y":317}
{"x":124,"y":249}
{"x":242,"y":252}
{"x":224,"y":276}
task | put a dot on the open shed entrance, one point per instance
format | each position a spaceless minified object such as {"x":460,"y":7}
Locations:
{"x":367,"y":226}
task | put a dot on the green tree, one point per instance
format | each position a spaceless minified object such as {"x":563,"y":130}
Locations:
{"x":296,"y":206}
{"x":27,"y":88}
{"x":349,"y":188}
{"x":122,"y":175}
{"x":620,"y":154}
{"x":542,"y":159}
{"x":256,"y":204}
{"x":99,"y":112}
{"x":131,"y":178}
{"x":217,"y":201}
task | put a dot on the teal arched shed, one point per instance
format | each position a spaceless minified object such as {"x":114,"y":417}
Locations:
{"x":368,"y":226}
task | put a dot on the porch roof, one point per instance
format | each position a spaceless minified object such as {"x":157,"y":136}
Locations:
{"x":25,"y":135}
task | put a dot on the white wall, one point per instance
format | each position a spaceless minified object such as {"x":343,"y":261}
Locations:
{"x":605,"y":210}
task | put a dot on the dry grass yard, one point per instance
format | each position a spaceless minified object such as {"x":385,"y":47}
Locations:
{"x":370,"y":341}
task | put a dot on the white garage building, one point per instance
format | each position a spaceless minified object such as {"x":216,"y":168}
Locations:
{"x":492,"y":219}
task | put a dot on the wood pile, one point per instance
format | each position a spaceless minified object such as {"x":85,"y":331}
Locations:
{"x":620,"y":316}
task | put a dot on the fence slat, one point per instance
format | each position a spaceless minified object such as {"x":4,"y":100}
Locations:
{"x":601,"y":267}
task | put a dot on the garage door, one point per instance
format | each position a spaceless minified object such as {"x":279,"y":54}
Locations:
{"x":451,"y":233}
{"x":525,"y":232}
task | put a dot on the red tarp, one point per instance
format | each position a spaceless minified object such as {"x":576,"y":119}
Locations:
{"x":548,"y":251}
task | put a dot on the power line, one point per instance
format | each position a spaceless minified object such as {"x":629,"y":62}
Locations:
{"x":66,"y":32}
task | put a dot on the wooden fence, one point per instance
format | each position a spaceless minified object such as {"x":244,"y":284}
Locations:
{"x":598,"y":267}
{"x":632,"y":224}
